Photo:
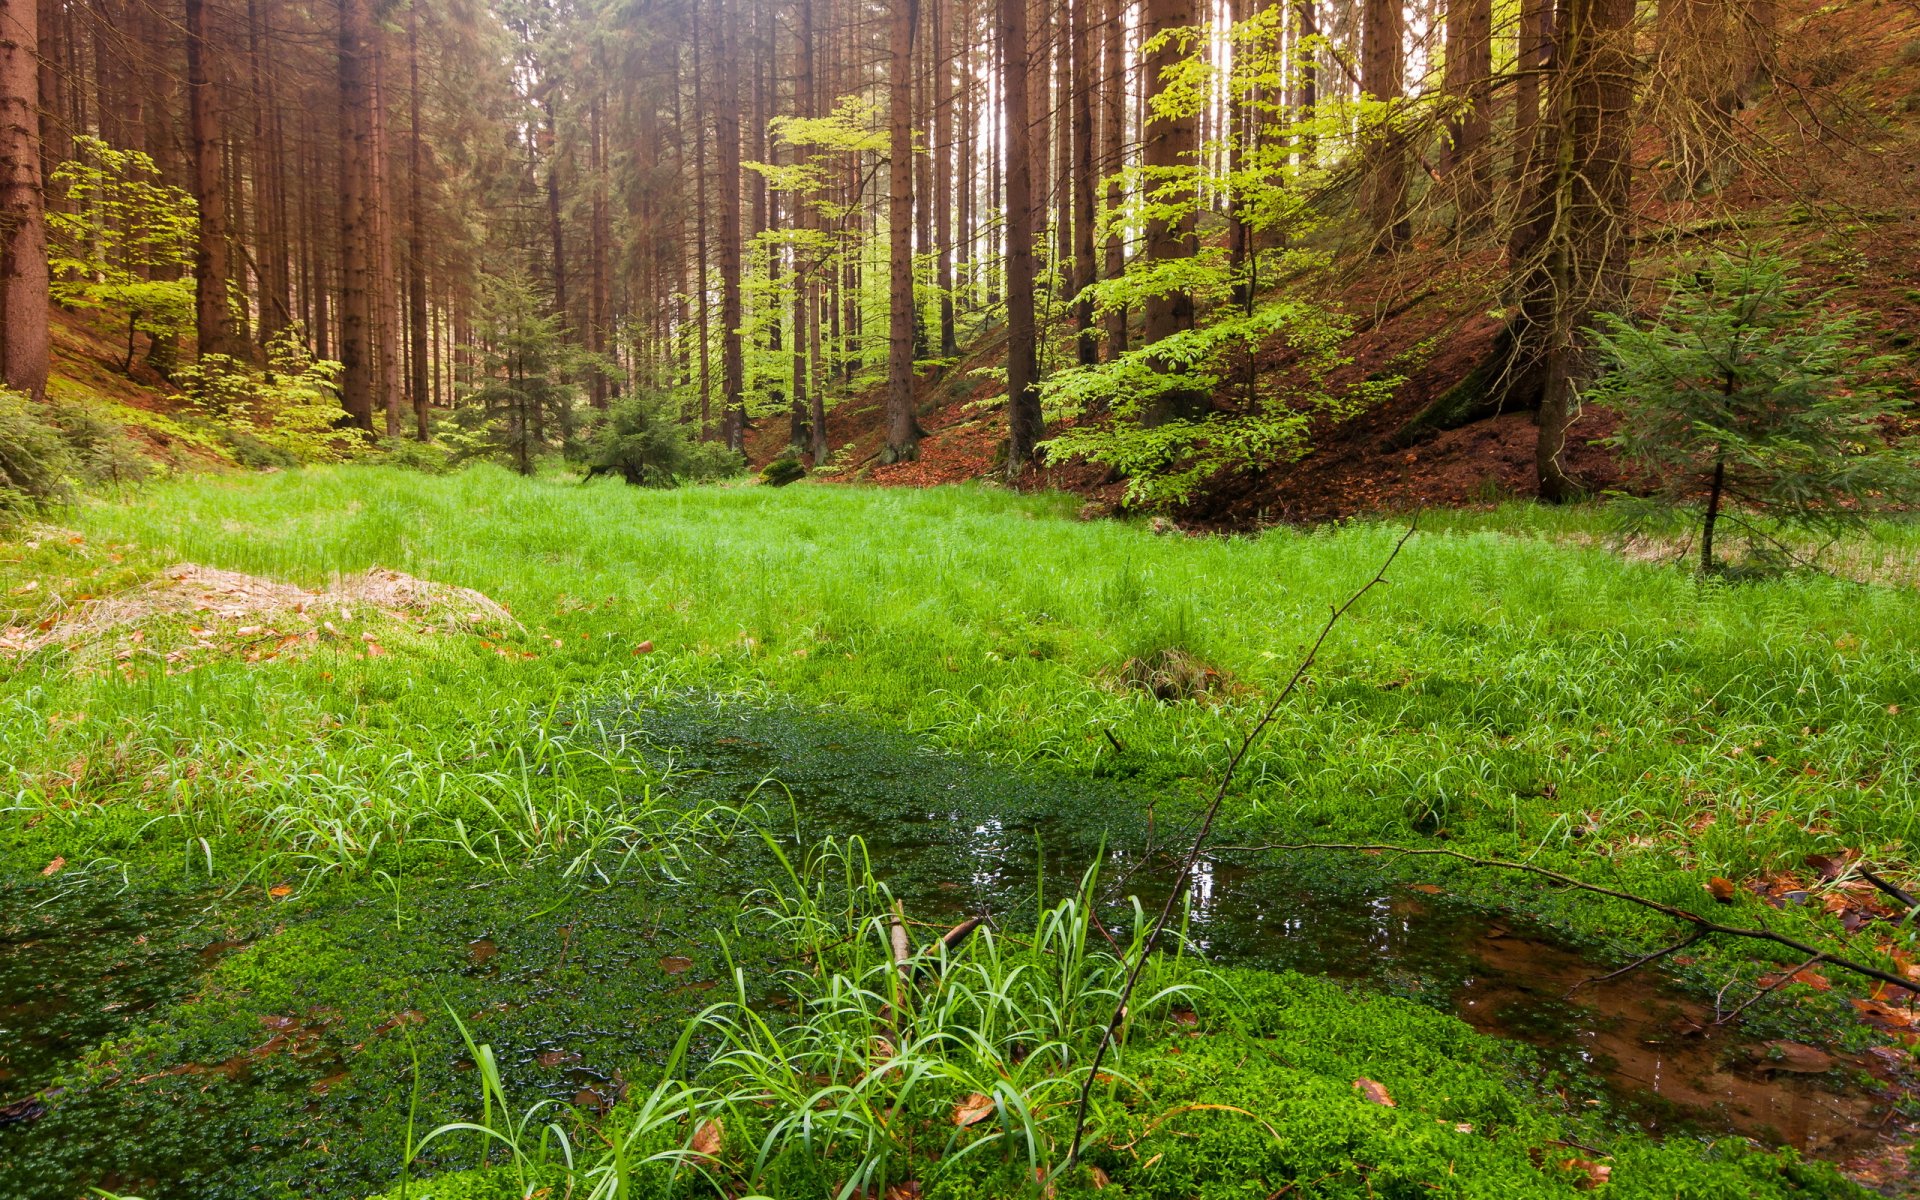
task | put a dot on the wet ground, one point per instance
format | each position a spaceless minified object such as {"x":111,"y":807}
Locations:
{"x":955,"y":836}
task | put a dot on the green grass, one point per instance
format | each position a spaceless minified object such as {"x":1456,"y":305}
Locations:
{"x":1518,"y":689}
{"x":1507,"y":687}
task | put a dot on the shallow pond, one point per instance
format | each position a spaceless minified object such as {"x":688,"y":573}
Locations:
{"x":574,"y":985}
{"x":957,"y":837}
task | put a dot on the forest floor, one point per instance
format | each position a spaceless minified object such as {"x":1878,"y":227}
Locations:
{"x":312,"y":774}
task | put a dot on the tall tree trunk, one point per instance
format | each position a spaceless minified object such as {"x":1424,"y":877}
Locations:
{"x":903,"y":431}
{"x":943,"y":175}
{"x":1469,"y":72}
{"x":1167,"y":160}
{"x":701,"y":280}
{"x":600,"y":238}
{"x":356,"y":215}
{"x":1532,"y":45}
{"x":1383,"y":77}
{"x":556,"y":228}
{"x":56,"y":141}
{"x":1306,"y":94}
{"x":1571,"y":251}
{"x":387,"y":342}
{"x":416,"y":233}
{"x":1084,"y":179}
{"x":1023,"y":396}
{"x":807,"y":299}
{"x":270,"y":197}
{"x":213,"y":248}
{"x":726,"y":127}
{"x":1113,"y":140}
{"x":23,"y":230}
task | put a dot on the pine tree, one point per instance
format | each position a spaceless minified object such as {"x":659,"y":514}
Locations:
{"x":1750,"y":399}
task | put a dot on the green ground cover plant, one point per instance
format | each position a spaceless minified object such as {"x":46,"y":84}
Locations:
{"x":406,"y":818}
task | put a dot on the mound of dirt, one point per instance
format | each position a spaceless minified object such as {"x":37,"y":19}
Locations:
{"x":195,"y":591}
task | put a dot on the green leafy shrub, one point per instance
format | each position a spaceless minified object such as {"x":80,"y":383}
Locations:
{"x":429,"y":458}
{"x":122,"y":241}
{"x":641,"y":441}
{"x":282,"y":417}
{"x":36,"y":464}
{"x":782,"y":471}
{"x":1748,"y":397}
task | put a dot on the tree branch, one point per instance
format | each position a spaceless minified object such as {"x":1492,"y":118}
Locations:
{"x":1702,"y":925}
{"x":1247,"y":742}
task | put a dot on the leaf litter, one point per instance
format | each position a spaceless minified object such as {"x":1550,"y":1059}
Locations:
{"x":258,"y":618}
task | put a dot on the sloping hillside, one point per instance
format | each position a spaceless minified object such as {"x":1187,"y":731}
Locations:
{"x":1829,"y":168}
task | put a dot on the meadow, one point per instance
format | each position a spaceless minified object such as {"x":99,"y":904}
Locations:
{"x":330,"y":846}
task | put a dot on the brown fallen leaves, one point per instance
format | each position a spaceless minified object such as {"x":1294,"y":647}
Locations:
{"x":53,"y":868}
{"x":1374,"y":1091}
{"x":1720,"y":888}
{"x":973,"y":1110}
{"x":707,"y":1138}
{"x":1588,"y":1174}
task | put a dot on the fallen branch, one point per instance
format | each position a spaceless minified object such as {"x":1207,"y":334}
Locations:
{"x":1637,"y":963}
{"x":1768,"y":990}
{"x":1892,"y":890}
{"x":1247,"y":742}
{"x":1702,"y":925}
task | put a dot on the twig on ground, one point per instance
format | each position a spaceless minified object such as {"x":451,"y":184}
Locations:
{"x":1247,"y":742}
{"x":1768,"y":990}
{"x":1637,"y":963}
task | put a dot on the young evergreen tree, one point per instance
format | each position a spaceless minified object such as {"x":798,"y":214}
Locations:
{"x":1750,"y":397}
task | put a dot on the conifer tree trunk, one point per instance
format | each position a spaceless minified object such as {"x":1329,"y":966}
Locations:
{"x":270,"y":241}
{"x":903,"y":431}
{"x":23,"y":231}
{"x":1469,"y":71}
{"x":556,"y":230}
{"x":943,"y":174}
{"x":1532,"y":45}
{"x":726,"y":126}
{"x":213,"y":249}
{"x":600,"y":244}
{"x":1080,"y":48}
{"x":385,"y":284}
{"x":1023,"y":398}
{"x":1383,"y":77}
{"x":356,"y":238}
{"x":1113,"y":139}
{"x":701,"y":280}
{"x":416,"y":234}
{"x":807,"y":296}
{"x":1166,"y":156}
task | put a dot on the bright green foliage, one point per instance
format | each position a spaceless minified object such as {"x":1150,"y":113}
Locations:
{"x":643,"y":442}
{"x":1749,"y":396}
{"x":1168,"y":463}
{"x":525,"y":403}
{"x":122,"y":240}
{"x":286,"y":415}
{"x":1246,"y":422}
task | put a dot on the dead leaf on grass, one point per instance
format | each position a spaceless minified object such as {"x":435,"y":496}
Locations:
{"x":973,"y":1110}
{"x":706,"y":1139}
{"x":53,"y":868}
{"x":1592,"y":1174}
{"x":1374,"y":1091}
{"x":1720,"y":888}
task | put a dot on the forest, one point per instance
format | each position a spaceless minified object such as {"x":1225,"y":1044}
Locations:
{"x":929,"y":599}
